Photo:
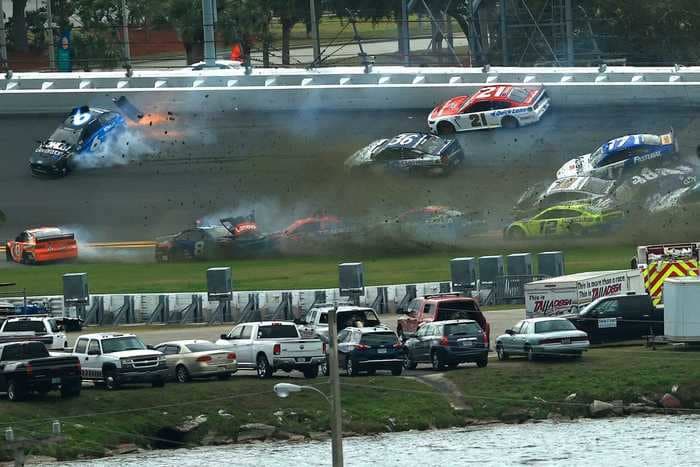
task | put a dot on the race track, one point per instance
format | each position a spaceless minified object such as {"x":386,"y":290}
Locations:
{"x":289,"y":165}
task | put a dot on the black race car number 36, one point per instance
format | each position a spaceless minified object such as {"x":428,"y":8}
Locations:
{"x":477,"y":120}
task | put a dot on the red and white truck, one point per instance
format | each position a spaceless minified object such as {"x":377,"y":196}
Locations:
{"x":568,"y":294}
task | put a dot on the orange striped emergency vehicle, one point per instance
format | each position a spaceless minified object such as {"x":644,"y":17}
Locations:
{"x":659,"y":262}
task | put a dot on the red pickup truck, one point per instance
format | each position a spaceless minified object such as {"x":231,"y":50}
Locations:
{"x":440,"y":307}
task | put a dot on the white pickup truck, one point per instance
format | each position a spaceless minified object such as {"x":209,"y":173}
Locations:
{"x":314,"y":323}
{"x":269,"y":346}
{"x":114,"y":359}
{"x":34,"y":328}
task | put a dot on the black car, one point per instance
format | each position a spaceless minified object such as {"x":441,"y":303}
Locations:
{"x":408,"y":153}
{"x":27,"y":367}
{"x":81,"y":135}
{"x":619,"y":318}
{"x":447,"y":344}
{"x":368,"y":350}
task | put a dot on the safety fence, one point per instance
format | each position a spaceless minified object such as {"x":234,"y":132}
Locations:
{"x":184,"y":308}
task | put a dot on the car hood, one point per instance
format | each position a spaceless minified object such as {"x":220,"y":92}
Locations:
{"x":364,"y":155}
{"x":135,"y":353}
{"x":576,"y":166}
{"x":450,"y":107}
{"x":51,"y":151}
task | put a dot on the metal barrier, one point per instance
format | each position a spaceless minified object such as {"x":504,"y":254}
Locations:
{"x":251,"y":311}
{"x":381,"y":301}
{"x":511,"y":289}
{"x":406,"y":299}
{"x":161,"y":311}
{"x":283,"y":312}
{"x":194,"y":309}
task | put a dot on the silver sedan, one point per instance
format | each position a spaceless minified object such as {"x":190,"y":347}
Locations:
{"x":542,"y":336}
{"x":189,"y":359}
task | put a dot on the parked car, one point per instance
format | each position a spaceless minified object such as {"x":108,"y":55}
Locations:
{"x":27,"y":367}
{"x":315,"y":321}
{"x":536,"y":337}
{"x":269,"y":346}
{"x":189,"y":359}
{"x":40,"y":328}
{"x":619,"y":317}
{"x":114,"y":359}
{"x":369,"y":349}
{"x":447,"y":344}
{"x":440,"y":307}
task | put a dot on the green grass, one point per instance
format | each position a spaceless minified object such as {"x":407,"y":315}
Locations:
{"x":620,"y":373}
{"x":99,"y":419}
{"x":283,"y":273}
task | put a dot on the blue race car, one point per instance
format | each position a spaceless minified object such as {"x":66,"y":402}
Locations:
{"x":620,"y":154}
{"x":83,"y":131}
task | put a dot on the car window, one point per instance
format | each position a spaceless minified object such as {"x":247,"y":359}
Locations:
{"x":553,"y":326}
{"x":94,"y":346}
{"x":413,"y":306}
{"x":618,"y":156}
{"x":277,"y":331}
{"x":388,"y":155}
{"x":323,"y":318}
{"x":427,"y":310}
{"x":171,"y":349}
{"x":342,"y":335}
{"x":607,"y":309}
{"x":481,"y":106}
{"x":525,"y":328}
{"x":517,"y":327}
{"x":499,"y":105}
{"x":379,"y":338}
{"x":25,"y":326}
{"x":458,"y":309}
{"x":236,"y":333}
{"x":93,"y":128}
{"x":202,"y":347}
{"x":467,"y":329}
{"x":247,"y":331}
{"x":81,"y":346}
{"x":11,"y":352}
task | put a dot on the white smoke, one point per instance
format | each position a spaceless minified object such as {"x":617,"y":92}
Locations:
{"x":132,"y":146}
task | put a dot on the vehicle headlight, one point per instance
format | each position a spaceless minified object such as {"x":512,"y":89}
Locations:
{"x":161,"y":359}
{"x":127,"y":362}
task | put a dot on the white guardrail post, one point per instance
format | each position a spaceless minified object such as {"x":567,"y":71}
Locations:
{"x":339,"y":88}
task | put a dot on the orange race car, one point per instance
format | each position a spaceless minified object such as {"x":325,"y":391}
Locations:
{"x":41,"y":245}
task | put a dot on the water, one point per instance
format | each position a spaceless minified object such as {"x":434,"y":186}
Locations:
{"x":634,"y":441}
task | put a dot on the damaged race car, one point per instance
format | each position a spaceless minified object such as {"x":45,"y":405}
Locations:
{"x":433,"y":225}
{"x":412,"y":153}
{"x":502,"y":106}
{"x":564,"y":221}
{"x":235,"y":237}
{"x":319,"y":233}
{"x":42,"y":245}
{"x":622,"y":154}
{"x":83,"y":132}
{"x":569,"y":190}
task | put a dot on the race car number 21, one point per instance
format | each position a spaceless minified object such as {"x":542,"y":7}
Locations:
{"x":477,"y":120}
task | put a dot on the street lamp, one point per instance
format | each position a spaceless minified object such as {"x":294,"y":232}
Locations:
{"x":283,"y":390}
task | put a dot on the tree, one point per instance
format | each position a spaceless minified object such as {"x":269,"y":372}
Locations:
{"x":246,"y":21}
{"x":290,"y":12}
{"x":186,"y":17}
{"x":19,"y":25}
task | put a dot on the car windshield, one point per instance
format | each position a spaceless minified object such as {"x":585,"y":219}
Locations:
{"x":598,"y":156}
{"x":66,"y":135}
{"x":379,"y":338}
{"x":518,"y":94}
{"x":542,"y":327}
{"x":202,"y":347}
{"x":277,"y":331}
{"x":456,"y":309}
{"x":121,"y":344}
{"x":25,"y":326}
{"x":357,"y":318}
{"x":466,"y":329}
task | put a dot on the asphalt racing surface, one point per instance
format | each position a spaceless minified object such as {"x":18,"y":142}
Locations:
{"x":178,"y":168}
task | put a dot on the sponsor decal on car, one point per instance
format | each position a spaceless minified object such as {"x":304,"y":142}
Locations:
{"x":646,"y":157}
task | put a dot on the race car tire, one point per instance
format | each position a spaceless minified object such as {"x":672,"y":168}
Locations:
{"x":445,"y":128}
{"x":8,"y":255}
{"x":515,"y":234}
{"x":509,"y":122}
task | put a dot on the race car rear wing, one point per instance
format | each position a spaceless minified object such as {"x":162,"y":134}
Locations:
{"x":48,"y":238}
{"x":127,"y":108}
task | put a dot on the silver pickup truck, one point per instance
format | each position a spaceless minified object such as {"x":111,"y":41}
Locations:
{"x":269,"y":346}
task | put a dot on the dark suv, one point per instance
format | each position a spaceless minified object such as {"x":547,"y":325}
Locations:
{"x":447,"y":343}
{"x":369,"y":350}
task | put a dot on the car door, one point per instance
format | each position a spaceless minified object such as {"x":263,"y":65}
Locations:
{"x":419,"y":347}
{"x":506,"y":339}
{"x":410,"y":324}
{"x":608,"y":316}
{"x":545,"y":224}
{"x":80,"y":351}
{"x":474,"y":116}
{"x":93,"y":361}
{"x":171,"y":356}
{"x":520,"y":338}
{"x":244,"y":347}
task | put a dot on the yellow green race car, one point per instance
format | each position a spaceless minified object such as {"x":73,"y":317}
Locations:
{"x":563,"y":220}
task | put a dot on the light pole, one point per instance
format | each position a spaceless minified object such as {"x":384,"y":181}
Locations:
{"x":284,"y":389}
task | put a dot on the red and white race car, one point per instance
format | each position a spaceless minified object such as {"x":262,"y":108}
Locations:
{"x":504,"y":106}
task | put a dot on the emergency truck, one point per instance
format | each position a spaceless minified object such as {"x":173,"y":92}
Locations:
{"x":659,"y":262}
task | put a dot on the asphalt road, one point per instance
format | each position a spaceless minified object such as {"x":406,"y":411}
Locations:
{"x":289,"y":165}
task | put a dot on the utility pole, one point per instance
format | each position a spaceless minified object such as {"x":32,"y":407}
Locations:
{"x":52,"y":51}
{"x":125,"y":34}
{"x":504,"y":31}
{"x":569,"y":16}
{"x":3,"y":43}
{"x":208,"y":24}
{"x":333,"y":374}
{"x":316,"y":43}
{"x":406,"y":39}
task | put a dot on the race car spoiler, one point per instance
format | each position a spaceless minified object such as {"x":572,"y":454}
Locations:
{"x":46,"y":238}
